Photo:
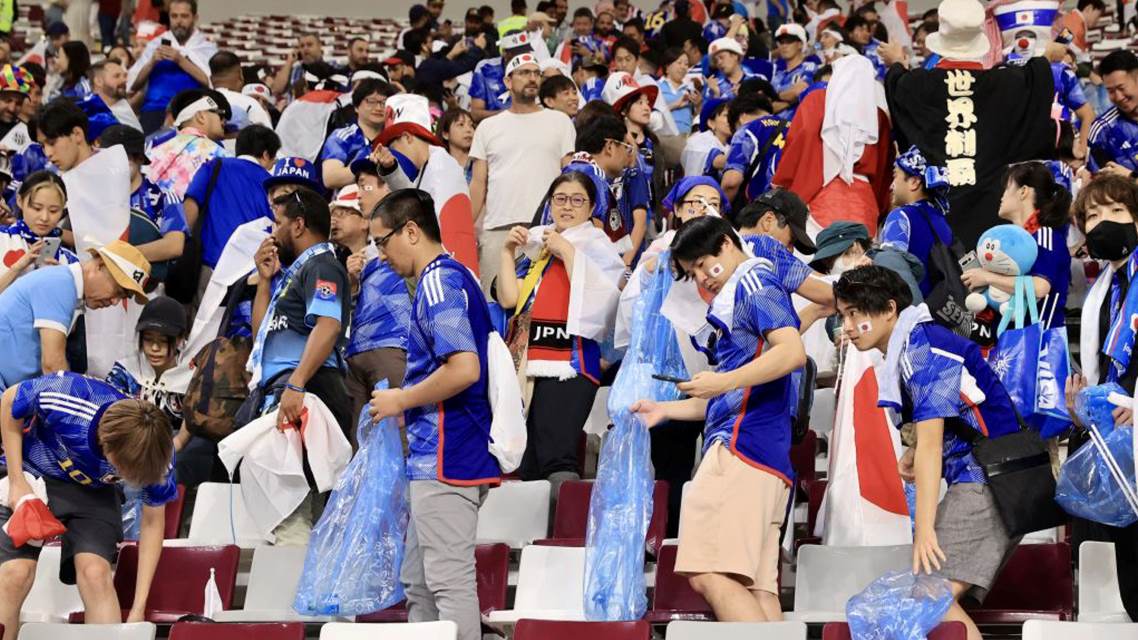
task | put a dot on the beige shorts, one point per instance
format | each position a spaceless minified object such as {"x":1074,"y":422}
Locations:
{"x":730,"y":521}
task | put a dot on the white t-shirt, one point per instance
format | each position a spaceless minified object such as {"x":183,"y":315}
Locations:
{"x":523,"y":155}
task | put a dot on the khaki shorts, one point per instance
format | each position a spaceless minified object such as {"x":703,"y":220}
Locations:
{"x":730,"y":521}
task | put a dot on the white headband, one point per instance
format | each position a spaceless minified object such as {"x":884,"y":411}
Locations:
{"x":204,"y":103}
{"x":366,"y":74}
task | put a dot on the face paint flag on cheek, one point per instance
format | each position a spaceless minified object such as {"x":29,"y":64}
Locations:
{"x":864,"y":327}
{"x":716,"y":270}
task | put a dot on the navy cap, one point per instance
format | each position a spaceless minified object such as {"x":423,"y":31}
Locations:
{"x":295,"y":170}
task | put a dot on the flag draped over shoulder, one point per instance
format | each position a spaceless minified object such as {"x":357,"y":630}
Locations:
{"x":865,"y":498}
{"x":304,"y":122}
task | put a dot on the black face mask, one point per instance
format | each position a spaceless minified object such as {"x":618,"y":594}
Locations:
{"x":1112,"y":240}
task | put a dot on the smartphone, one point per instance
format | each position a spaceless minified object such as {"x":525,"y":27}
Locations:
{"x":664,"y":378}
{"x":50,"y":248}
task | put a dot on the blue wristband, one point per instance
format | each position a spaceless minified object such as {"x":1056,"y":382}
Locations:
{"x":293,"y":387}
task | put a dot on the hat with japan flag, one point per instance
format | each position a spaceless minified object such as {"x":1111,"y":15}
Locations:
{"x":621,"y":87}
{"x":521,"y":59}
{"x":407,"y":113}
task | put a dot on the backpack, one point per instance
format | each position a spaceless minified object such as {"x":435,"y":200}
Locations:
{"x":947,"y":293}
{"x":220,"y":381}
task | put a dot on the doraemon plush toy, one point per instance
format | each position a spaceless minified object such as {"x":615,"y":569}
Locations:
{"x":1006,"y":250}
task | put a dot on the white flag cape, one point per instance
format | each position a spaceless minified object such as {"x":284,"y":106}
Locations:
{"x":304,"y":123}
{"x":98,"y":206}
{"x":865,"y":499}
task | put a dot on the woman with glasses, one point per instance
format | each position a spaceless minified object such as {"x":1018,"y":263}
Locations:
{"x":555,"y":333}
{"x":673,"y":448}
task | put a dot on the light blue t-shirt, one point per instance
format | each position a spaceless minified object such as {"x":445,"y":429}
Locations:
{"x":43,"y":299}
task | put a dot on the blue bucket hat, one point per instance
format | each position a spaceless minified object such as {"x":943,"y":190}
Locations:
{"x":295,"y":170}
{"x":681,"y":189}
{"x":913,"y":163}
{"x":709,"y":106}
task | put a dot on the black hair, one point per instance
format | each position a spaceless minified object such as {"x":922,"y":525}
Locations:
{"x":719,"y":109}
{"x":635,"y":23}
{"x":256,"y":140}
{"x":193,"y":5}
{"x":368,"y":87}
{"x":78,"y":62}
{"x":223,"y":61}
{"x":306,"y":204}
{"x":869,"y":7}
{"x":37,"y":177}
{"x":594,"y":109}
{"x":700,"y":237}
{"x":60,"y":117}
{"x":745,"y":104}
{"x":927,"y":27}
{"x":1120,"y":60}
{"x":823,"y":72}
{"x":414,"y":40}
{"x":355,"y":40}
{"x":670,"y":55}
{"x":518,"y":6}
{"x":583,"y":12}
{"x":451,"y":116}
{"x":870,"y":289}
{"x":1065,"y":142}
{"x":37,"y":72}
{"x":485,"y":10}
{"x":1094,"y":4}
{"x":1051,"y":199}
{"x":580,"y":178}
{"x":592,"y":135}
{"x":855,"y":21}
{"x":552,"y":86}
{"x":697,"y":41}
{"x":626,"y":43}
{"x":409,"y":205}
{"x":749,"y":216}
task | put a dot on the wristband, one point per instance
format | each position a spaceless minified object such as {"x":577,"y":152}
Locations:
{"x":292,"y":387}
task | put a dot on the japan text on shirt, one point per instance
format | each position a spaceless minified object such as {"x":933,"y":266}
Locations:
{"x":754,"y":423}
{"x":766,"y":134}
{"x":449,"y":315}
{"x":62,"y":413}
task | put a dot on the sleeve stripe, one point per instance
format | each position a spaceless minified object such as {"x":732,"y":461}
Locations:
{"x":50,"y":324}
{"x":946,"y":354}
{"x":63,"y":397}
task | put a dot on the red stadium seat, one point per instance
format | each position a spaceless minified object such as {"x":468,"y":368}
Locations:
{"x":492,"y":562}
{"x":1037,"y":582}
{"x":179,"y":582}
{"x":221,"y":631}
{"x":571,"y":517}
{"x":802,"y":458}
{"x":943,"y":631}
{"x":174,"y":511}
{"x":673,"y":598}
{"x":560,"y":630}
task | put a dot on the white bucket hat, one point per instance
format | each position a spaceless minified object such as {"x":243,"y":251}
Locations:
{"x":725,"y":44}
{"x":961,"y":35}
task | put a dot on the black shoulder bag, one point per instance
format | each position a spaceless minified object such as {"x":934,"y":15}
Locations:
{"x":740,"y":199}
{"x":184,"y":274}
{"x":946,"y":297}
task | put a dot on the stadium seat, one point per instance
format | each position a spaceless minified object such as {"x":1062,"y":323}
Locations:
{"x":1055,"y":630}
{"x":692,"y":630}
{"x":673,"y":598}
{"x":943,"y":631}
{"x":179,"y":582}
{"x":63,"y":631}
{"x":1099,"y":596}
{"x":828,"y":576}
{"x":52,"y":601}
{"x":174,"y":511}
{"x":802,"y":458}
{"x":516,"y":513}
{"x":815,"y":491}
{"x":567,"y":630}
{"x":444,"y":630}
{"x":492,"y":562}
{"x":571,"y":517}
{"x":207,"y":631}
{"x":273,"y":577}
{"x":551,"y":584}
{"x":1037,"y":582}
{"x":211,"y":523}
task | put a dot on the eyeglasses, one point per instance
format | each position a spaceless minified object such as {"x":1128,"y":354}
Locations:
{"x":373,"y":102}
{"x":701,"y":202}
{"x":343,"y":212}
{"x":576,"y":200}
{"x":382,"y":242}
{"x":627,"y":147}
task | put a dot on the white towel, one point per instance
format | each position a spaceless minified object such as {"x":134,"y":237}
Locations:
{"x":850,"y":123}
{"x":1090,"y":342}
{"x":889,"y":370}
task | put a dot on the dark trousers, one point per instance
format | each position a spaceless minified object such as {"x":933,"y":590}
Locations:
{"x":151,"y":121}
{"x":673,"y":457}
{"x":107,"y":24}
{"x":557,"y":414}
{"x":327,"y":384}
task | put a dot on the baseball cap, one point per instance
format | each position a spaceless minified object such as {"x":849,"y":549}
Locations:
{"x":839,"y":236}
{"x":127,"y":266}
{"x":791,"y":30}
{"x":294,"y":170}
{"x":132,"y":140}
{"x":793,"y":210}
{"x":724,"y":44}
{"x":164,"y":315}
{"x":362,"y":163}
{"x":190,"y":102}
{"x":408,"y":113}
{"x":401,"y":57}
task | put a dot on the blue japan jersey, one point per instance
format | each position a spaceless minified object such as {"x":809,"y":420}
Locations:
{"x":788,"y":269}
{"x":488,"y":84}
{"x":944,"y":376}
{"x":754,"y":423}
{"x":62,"y":413}
{"x":344,"y":144}
{"x":448,"y":441}
{"x":746,"y":144}
{"x":162,"y":207}
{"x":1053,"y":264}
{"x":1114,"y":138}
{"x":907,"y":228}
{"x":875,"y":58}
{"x":382,"y":311}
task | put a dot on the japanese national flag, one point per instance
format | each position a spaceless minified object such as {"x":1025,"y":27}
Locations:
{"x":304,"y":123}
{"x":444,"y":180}
{"x":865,"y":498}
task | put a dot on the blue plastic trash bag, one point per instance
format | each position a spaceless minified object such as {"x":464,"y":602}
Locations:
{"x":131,"y":512}
{"x":619,"y":512}
{"x":1087,"y":488}
{"x":899,"y":606}
{"x":652,"y":346}
{"x":356,"y":549}
{"x":1093,"y":406}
